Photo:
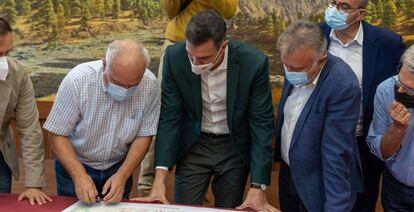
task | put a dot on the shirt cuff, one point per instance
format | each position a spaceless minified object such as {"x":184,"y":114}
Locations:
{"x":377,"y":150}
{"x":162,"y":167}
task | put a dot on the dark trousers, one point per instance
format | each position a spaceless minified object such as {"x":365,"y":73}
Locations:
{"x":5,"y":176}
{"x":66,"y":187}
{"x":211,"y":158}
{"x":288,"y":195}
{"x":396,"y":196}
{"x":372,"y":168}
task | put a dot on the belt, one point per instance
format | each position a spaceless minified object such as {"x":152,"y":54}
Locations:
{"x":211,"y":135}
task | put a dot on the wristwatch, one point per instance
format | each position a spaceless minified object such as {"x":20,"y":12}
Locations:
{"x":259,"y":186}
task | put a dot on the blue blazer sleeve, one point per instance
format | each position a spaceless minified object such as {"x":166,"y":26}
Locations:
{"x":337,"y":146}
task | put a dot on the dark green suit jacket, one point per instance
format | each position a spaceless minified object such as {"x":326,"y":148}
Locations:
{"x":249,"y":108}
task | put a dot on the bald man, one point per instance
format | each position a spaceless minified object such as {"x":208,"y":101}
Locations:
{"x":102,"y":122}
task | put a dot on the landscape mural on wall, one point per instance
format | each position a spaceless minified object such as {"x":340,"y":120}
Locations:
{"x":53,"y":36}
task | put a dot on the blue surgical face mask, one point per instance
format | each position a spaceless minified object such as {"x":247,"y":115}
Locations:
{"x":335,"y":19}
{"x":297,"y":79}
{"x":119,"y":93}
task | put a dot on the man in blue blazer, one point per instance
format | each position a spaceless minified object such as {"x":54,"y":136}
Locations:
{"x":316,"y":125}
{"x":373,"y":54}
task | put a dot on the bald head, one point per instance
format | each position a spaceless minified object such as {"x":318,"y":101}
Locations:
{"x":126,"y":62}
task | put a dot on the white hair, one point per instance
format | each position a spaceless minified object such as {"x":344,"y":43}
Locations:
{"x":408,"y":58}
{"x":116,"y":48}
{"x":300,"y":34}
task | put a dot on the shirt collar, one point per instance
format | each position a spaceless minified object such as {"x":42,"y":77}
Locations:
{"x":315,"y":81}
{"x":359,"y":37}
{"x":101,"y":76}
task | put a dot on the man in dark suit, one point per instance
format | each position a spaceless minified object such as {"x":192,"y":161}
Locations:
{"x":316,"y":124}
{"x":216,"y":120}
{"x":373,"y":54}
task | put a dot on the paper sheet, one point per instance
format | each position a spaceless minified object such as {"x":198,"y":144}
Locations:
{"x":136,"y":207}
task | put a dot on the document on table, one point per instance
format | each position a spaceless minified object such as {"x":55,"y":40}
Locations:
{"x":136,"y":207}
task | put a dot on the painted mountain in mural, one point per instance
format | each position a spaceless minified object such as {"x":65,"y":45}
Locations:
{"x":291,"y":10}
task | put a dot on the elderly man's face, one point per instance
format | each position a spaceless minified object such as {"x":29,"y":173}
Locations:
{"x":406,"y":80}
{"x":304,"y":59}
{"x":125,"y":75}
{"x":6,"y":44}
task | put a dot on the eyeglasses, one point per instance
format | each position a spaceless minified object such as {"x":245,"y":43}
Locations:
{"x":407,"y":90}
{"x":342,"y":7}
{"x":304,"y":69}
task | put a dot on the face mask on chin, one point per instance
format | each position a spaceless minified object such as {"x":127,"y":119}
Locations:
{"x":205,"y":68}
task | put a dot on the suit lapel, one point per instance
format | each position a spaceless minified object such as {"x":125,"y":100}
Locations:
{"x":5,"y":94}
{"x":308,"y":106}
{"x":233,"y":71}
{"x":195,"y":82}
{"x":369,"y":56}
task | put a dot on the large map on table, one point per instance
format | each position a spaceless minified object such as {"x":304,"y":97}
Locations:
{"x":136,"y":207}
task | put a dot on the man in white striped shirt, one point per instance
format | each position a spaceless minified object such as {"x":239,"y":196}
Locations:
{"x":102,"y":122}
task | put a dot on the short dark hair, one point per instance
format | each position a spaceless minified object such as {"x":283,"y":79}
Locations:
{"x":4,"y":27}
{"x":204,"y":26}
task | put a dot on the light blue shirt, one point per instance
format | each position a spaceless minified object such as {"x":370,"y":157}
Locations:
{"x":401,"y":164}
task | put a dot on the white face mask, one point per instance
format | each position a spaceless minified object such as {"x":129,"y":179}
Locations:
{"x":204,"y":68}
{"x":4,"y":68}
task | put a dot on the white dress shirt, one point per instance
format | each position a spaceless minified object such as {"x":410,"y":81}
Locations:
{"x":351,"y":53}
{"x":214,"y":96}
{"x":291,"y":112}
{"x":214,"y":99}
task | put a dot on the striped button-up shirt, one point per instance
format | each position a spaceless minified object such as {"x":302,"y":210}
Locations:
{"x":101,"y":129}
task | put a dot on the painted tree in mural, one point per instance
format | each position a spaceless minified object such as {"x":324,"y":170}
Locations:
{"x":409,"y":8}
{"x":108,"y":5}
{"x":99,"y":7}
{"x":67,"y":7}
{"x":44,"y":20}
{"x":126,"y":4}
{"x":380,"y":8}
{"x":402,"y":6}
{"x":116,"y":9}
{"x":85,"y":18}
{"x":389,"y":19}
{"x":372,"y":15}
{"x":9,"y":11}
{"x":61,"y":19}
{"x":76,"y":8}
{"x":145,"y":10}
{"x":24,"y":7}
